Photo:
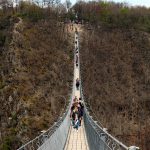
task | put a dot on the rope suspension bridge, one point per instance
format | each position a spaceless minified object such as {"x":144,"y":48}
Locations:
{"x":62,"y":136}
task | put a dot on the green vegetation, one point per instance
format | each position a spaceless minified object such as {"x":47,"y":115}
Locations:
{"x":113,"y":15}
{"x":31,"y":12}
{"x":9,"y":142}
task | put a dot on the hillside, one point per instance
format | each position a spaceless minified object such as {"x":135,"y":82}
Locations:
{"x":115,"y":72}
{"x":36,"y":76}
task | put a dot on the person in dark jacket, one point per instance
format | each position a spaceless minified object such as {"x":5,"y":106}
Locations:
{"x":77,"y":83}
{"x":76,"y":118}
{"x":80,"y":110}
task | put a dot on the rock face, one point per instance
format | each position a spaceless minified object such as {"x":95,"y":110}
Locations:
{"x":115,"y":71}
{"x":36,"y":72}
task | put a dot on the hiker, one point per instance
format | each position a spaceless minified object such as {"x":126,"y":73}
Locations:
{"x":76,"y":119}
{"x":76,"y":31}
{"x":75,"y":99}
{"x":72,"y":116}
{"x":79,"y":114}
{"x":77,"y":60}
{"x":77,"y":83}
{"x":72,"y":108}
{"x":76,"y":64}
{"x":75,"y":103}
{"x":81,"y":110}
{"x":77,"y":50}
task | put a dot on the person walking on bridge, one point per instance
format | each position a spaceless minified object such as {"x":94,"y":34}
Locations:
{"x":76,"y":118}
{"x":75,"y":42}
{"x":77,"y":83}
{"x":75,"y":99}
{"x":76,"y":36}
{"x":76,"y":31}
{"x":81,"y":110}
{"x":77,"y":60}
{"x":72,"y":115}
{"x":77,"y":50}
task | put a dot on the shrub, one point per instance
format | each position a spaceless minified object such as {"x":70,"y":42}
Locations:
{"x":116,"y":15}
{"x":4,"y":22}
{"x":31,"y":11}
{"x":2,"y":39}
{"x":8,"y":141}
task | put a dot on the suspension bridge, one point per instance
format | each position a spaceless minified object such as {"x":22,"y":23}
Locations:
{"x":62,"y":136}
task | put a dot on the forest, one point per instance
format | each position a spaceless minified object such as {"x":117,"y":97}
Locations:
{"x":36,"y":65}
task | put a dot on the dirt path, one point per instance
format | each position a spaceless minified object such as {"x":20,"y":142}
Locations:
{"x":16,"y":41}
{"x":16,"y":33}
{"x":17,"y":25}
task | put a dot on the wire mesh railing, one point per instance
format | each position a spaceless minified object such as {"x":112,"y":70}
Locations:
{"x":54,"y":137}
{"x":98,"y":138}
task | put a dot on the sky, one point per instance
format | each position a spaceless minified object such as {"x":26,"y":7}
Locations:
{"x":130,"y":2}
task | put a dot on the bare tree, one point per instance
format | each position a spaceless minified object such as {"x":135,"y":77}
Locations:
{"x":68,"y":4}
{"x":57,"y":2}
{"x":6,"y":4}
{"x":3,"y":3}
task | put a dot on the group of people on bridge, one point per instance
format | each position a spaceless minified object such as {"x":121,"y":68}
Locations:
{"x":76,"y":114}
{"x":77,"y":107}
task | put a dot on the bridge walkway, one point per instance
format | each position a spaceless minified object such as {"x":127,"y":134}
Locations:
{"x":77,"y":139}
